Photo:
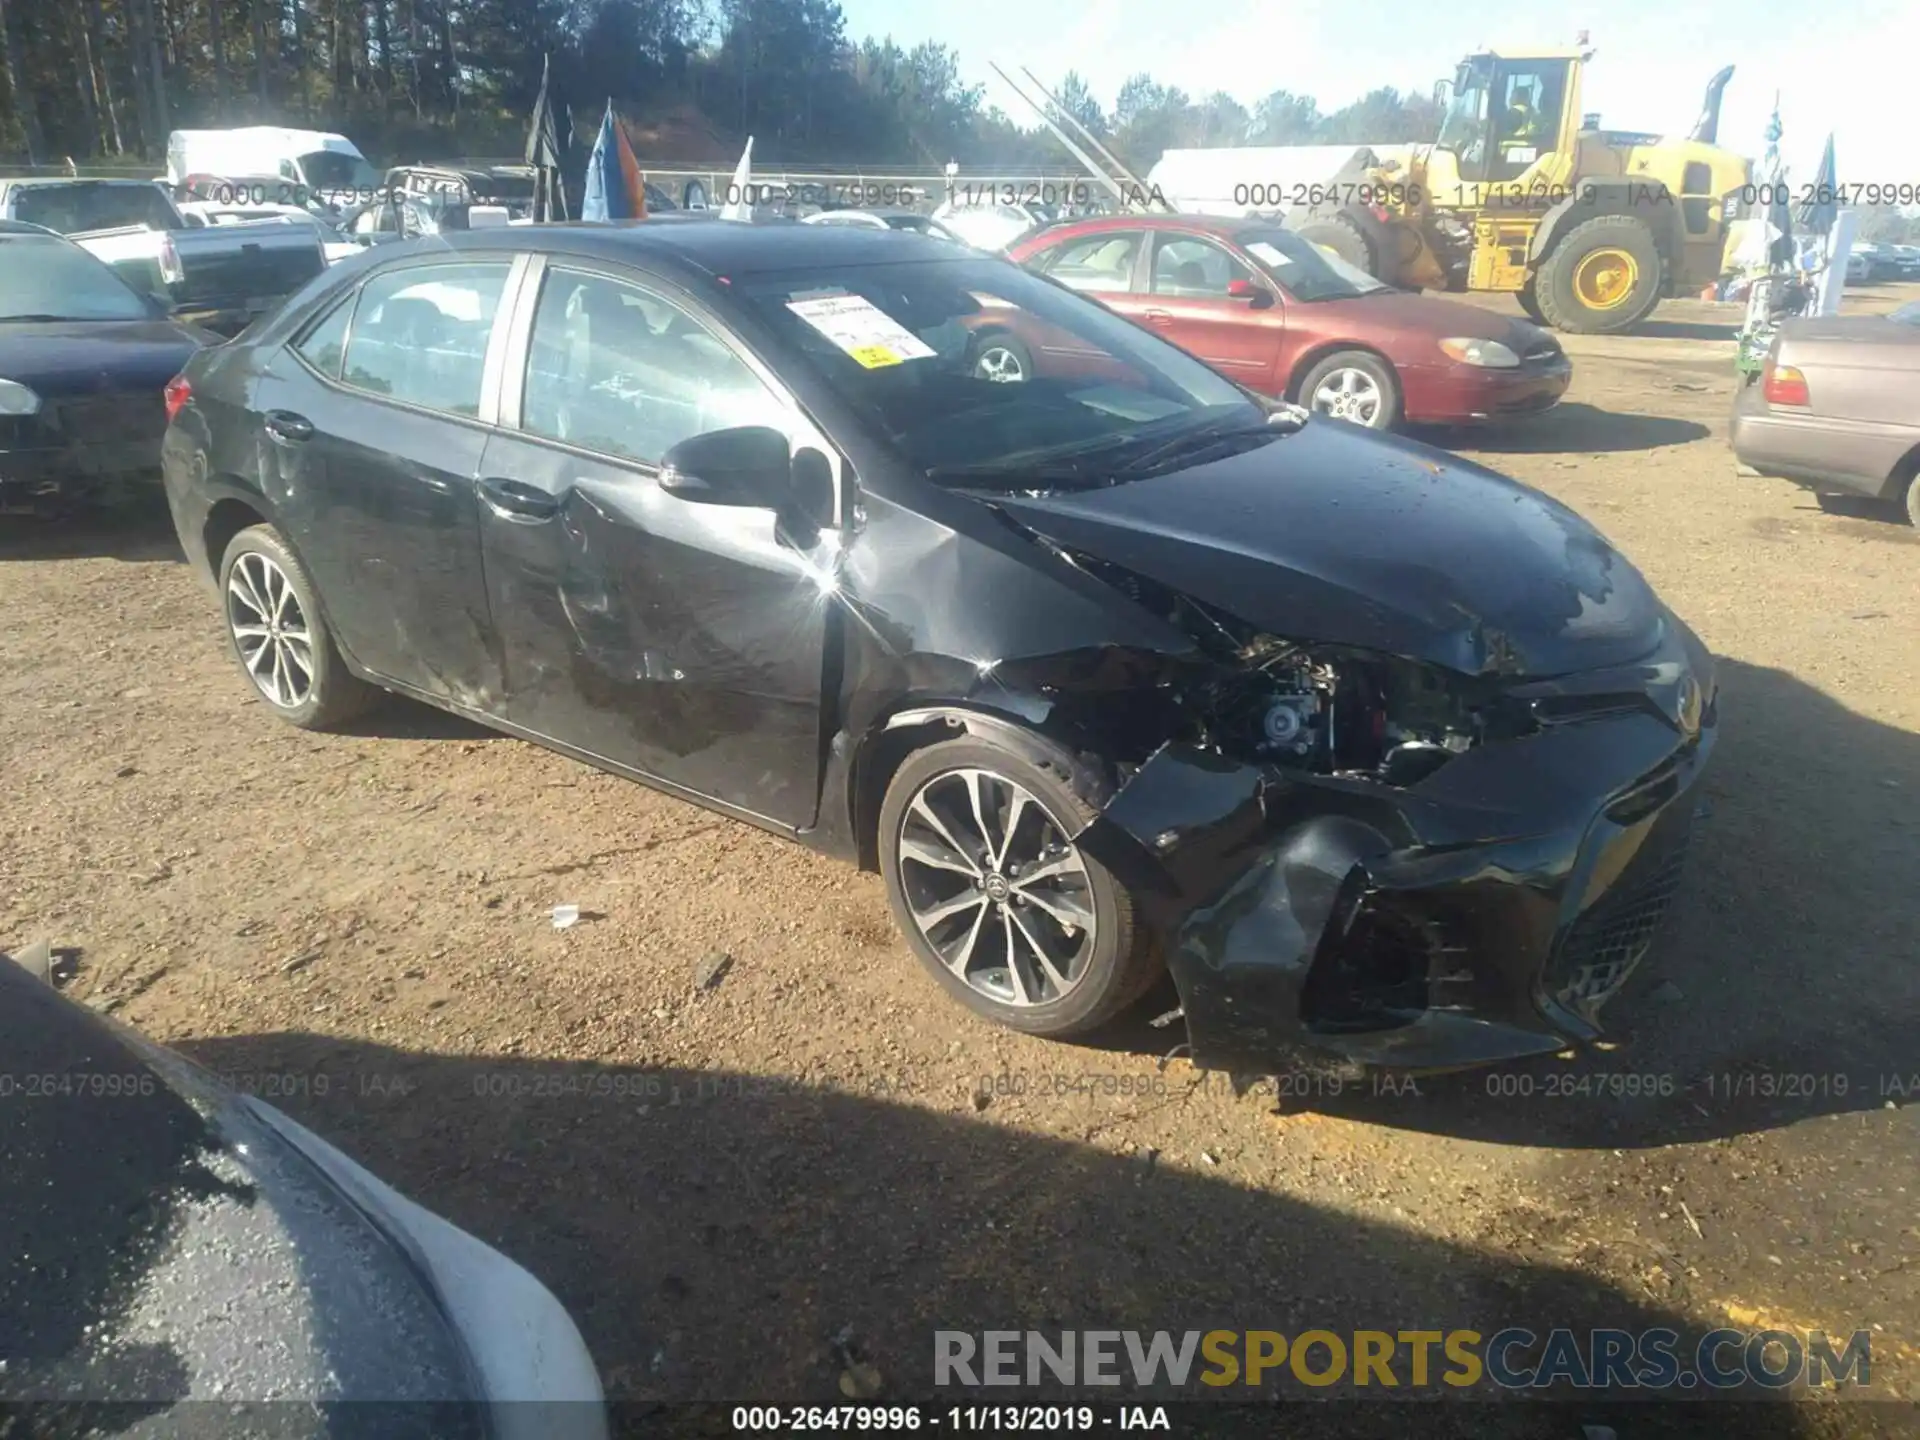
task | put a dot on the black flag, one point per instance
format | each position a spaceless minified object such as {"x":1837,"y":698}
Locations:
{"x":543,"y":138}
{"x":549,"y":138}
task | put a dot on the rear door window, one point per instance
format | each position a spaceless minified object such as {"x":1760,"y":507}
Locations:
{"x":420,"y":334}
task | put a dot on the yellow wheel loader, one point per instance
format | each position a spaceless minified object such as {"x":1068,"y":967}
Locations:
{"x":1524,"y":194}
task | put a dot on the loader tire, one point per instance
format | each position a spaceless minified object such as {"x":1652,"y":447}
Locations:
{"x":1344,"y":236}
{"x":1604,"y":277}
{"x":1530,"y":301}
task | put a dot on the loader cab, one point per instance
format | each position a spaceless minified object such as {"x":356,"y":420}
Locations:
{"x":1507,"y":114}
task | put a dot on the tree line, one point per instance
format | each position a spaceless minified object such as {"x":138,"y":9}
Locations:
{"x":106,"y":80}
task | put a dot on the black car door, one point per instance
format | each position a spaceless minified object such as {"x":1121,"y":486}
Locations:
{"x":373,"y":419}
{"x":680,"y":641}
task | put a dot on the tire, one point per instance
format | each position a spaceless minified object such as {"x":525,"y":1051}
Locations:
{"x":1344,"y":237}
{"x":1530,"y":302}
{"x":1344,"y":370}
{"x":1000,"y":357}
{"x":1610,"y":257}
{"x":1913,"y":502}
{"x":1107,"y":961}
{"x":259,"y":578}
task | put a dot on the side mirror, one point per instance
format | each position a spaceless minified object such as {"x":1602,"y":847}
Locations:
{"x":1442,"y":92}
{"x":1256,"y":297}
{"x":748,"y":465}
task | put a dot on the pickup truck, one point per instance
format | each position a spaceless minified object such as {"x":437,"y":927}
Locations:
{"x":216,"y":276}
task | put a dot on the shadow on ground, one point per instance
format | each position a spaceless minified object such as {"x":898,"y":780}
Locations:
{"x":1783,"y":986}
{"x":138,"y":531}
{"x":1573,"y":428}
{"x":1686,"y":330}
{"x":720,"y":1236}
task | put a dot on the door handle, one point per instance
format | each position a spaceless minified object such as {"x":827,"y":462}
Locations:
{"x":285,"y":425}
{"x":1159,"y":317}
{"x":517,"y":501}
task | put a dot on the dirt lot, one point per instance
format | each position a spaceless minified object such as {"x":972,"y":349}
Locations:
{"x":719,"y":1182}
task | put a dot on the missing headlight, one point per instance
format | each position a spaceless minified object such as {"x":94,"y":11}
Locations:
{"x":1325,"y":709}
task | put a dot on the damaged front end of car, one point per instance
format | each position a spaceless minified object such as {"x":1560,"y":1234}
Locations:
{"x":1352,"y":857}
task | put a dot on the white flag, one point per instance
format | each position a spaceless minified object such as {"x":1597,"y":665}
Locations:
{"x":738,"y":206}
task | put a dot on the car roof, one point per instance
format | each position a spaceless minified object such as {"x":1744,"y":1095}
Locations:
{"x":714,"y":246}
{"x":1224,"y":226}
{"x":23,"y":227}
{"x":76,"y":180}
{"x":467,"y":168}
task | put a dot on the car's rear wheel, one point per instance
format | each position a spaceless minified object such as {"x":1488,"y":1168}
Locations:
{"x":1354,"y":385}
{"x":1002,"y":359}
{"x":994,"y":897}
{"x":1913,"y":502}
{"x":278,"y":637}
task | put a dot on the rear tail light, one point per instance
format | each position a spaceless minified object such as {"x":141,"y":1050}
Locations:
{"x":1784,"y":385}
{"x":177,"y":393}
{"x":171,"y":269}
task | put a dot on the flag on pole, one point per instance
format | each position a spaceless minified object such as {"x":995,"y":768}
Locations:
{"x":615,"y":189}
{"x":543,"y":134}
{"x":738,"y":206}
{"x":549,"y":142}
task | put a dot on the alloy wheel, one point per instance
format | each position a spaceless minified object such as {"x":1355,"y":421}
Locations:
{"x":1000,"y":365}
{"x":1349,"y":394}
{"x":270,"y":630}
{"x":995,"y":887}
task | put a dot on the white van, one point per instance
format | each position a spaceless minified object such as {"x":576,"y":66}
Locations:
{"x":314,"y":164}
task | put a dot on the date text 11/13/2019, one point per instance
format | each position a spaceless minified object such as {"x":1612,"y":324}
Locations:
{"x":959,"y":1419}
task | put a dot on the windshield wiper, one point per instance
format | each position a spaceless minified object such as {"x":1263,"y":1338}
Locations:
{"x":1204,"y":437}
{"x":1058,"y":465}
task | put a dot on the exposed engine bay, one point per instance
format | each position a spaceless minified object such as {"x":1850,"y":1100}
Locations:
{"x":1275,"y":701}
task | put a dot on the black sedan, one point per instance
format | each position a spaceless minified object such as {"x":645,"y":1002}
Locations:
{"x":1385,"y":755}
{"x":173,"y":1242}
{"x":83,"y":361}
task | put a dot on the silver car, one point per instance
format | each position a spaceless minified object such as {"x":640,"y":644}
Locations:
{"x":1837,"y":407}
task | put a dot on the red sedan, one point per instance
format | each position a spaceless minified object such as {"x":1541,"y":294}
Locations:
{"x":1281,"y":316}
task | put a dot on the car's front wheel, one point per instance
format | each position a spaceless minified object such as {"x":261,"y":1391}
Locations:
{"x":976,"y":842}
{"x":1356,"y":386}
{"x":278,"y":637}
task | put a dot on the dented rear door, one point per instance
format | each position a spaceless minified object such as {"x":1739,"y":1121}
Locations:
{"x":680,"y":641}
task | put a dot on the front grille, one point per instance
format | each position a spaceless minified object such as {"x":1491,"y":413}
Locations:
{"x":1603,"y":945}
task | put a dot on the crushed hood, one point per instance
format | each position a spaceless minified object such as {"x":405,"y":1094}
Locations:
{"x":1337,"y":535}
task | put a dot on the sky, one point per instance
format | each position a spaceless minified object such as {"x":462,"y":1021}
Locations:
{"x":1845,"y":66}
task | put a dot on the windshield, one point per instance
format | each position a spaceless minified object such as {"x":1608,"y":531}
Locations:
{"x":1463,"y":128}
{"x":502,"y":190}
{"x":975,"y":368}
{"x":83,"y":206}
{"x":331,"y":170}
{"x":54,"y":279}
{"x":1304,"y":270}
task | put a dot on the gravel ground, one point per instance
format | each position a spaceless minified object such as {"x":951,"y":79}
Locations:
{"x":723,"y":1180}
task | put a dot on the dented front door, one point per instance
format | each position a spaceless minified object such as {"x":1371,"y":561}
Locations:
{"x":680,"y":641}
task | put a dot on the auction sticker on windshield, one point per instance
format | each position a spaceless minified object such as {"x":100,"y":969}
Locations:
{"x":1261,"y":250}
{"x":861,"y":329}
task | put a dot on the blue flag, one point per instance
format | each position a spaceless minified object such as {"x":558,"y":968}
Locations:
{"x":615,"y":189}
